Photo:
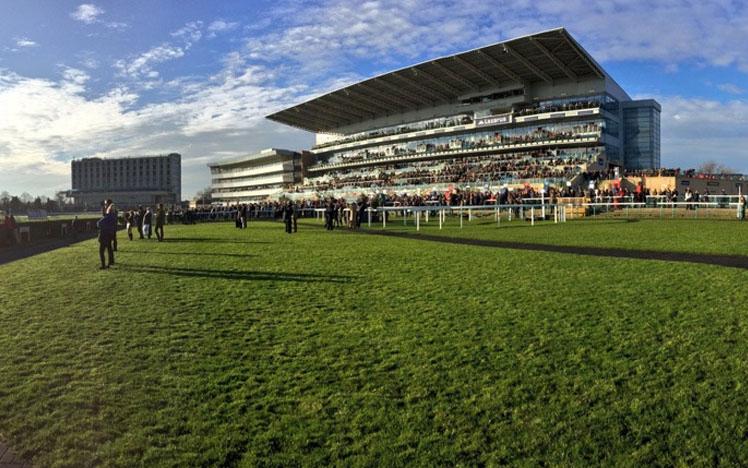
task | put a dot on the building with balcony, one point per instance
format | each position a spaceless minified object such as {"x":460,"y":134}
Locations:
{"x":129,"y":181}
{"x":533,"y":110}
{"x":259,"y":176}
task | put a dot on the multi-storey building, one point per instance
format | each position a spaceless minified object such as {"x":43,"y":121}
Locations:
{"x":255,"y":177}
{"x":532,"y":110}
{"x":129,"y":182}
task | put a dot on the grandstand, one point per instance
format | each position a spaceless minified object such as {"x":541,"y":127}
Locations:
{"x":254,"y":177}
{"x":536,"y":110}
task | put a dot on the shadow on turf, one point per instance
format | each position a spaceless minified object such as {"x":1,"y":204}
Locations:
{"x":237,"y":275}
{"x":188,"y":254}
{"x":213,"y":240}
{"x":733,"y":261}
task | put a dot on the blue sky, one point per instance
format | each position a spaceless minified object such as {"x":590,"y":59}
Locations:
{"x":196,"y":77}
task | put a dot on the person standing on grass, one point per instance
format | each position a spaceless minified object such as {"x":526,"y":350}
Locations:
{"x":108,"y":202}
{"x":288,"y":217}
{"x":160,"y":219}
{"x":352,"y":215}
{"x":295,"y":211}
{"x":140,"y":215}
{"x":129,"y":219}
{"x":329,"y":214}
{"x":147,"y":221}
{"x":243,"y":215}
{"x":107,"y":226}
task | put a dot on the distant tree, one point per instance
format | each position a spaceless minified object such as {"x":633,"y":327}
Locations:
{"x":61,"y":198}
{"x":26,"y":198}
{"x":51,"y":205}
{"x":204,"y":196}
{"x":713,"y":167}
{"x":5,"y":199}
{"x":37,"y":203}
{"x":15,"y":204}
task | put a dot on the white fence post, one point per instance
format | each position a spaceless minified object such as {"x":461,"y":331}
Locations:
{"x":384,"y":218}
{"x":460,"y":217}
{"x":418,"y":220}
{"x":532,"y":216}
{"x":441,"y":218}
{"x":555,"y":214}
{"x":369,"y":211}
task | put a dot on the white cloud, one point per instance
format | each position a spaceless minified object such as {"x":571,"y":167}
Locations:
{"x":25,"y":42}
{"x":87,"y":13}
{"x":190,"y":32}
{"x":333,"y":32}
{"x":731,"y":88}
{"x":45,"y":123}
{"x":221,"y":25}
{"x":695,"y":130}
{"x":142,"y":64}
{"x":89,"y":62}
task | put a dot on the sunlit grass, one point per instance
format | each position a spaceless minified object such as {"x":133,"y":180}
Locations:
{"x":228,"y":347}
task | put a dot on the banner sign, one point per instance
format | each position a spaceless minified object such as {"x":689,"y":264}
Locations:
{"x":494,"y":120}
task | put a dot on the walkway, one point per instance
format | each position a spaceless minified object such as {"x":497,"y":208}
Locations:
{"x":17,"y":252}
{"x":733,"y":261}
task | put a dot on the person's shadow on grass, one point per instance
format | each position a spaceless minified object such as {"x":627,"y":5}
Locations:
{"x":237,"y":275}
{"x":212,"y":240}
{"x":188,"y":254}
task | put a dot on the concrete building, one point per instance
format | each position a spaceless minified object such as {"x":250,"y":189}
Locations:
{"x":129,"y":182}
{"x":533,"y":110}
{"x":255,"y":177}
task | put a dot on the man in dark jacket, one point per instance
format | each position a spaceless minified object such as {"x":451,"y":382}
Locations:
{"x":107,"y":227}
{"x":288,"y":216}
{"x":329,"y":214}
{"x":160,"y":220}
{"x":141,"y":213}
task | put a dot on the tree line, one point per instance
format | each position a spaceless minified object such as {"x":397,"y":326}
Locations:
{"x":26,"y":202}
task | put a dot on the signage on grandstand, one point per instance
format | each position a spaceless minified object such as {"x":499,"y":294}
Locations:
{"x":494,"y":120}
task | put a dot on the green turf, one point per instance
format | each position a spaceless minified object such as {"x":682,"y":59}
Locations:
{"x":711,"y":236}
{"x":230,"y":347}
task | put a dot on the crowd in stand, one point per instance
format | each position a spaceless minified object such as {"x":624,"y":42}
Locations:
{"x":444,"y":122}
{"x":677,"y":172}
{"x":496,"y":139}
{"x":543,"y":107}
{"x":509,"y":167}
{"x":464,"y":119}
{"x":463,"y":171}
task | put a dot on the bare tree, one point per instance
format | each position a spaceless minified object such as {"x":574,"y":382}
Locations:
{"x":713,"y":167}
{"x":204,"y":196}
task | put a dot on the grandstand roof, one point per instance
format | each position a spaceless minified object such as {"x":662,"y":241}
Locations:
{"x":546,"y":56}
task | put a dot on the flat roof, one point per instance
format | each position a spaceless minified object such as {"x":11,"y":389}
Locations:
{"x":546,"y":56}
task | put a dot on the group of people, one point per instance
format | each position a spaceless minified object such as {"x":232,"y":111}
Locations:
{"x":9,"y":230}
{"x":140,"y":219}
{"x":143,"y":219}
{"x":339,"y":213}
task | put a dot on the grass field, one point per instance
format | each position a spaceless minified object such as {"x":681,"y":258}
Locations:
{"x":710,"y":236}
{"x":227,"y":347}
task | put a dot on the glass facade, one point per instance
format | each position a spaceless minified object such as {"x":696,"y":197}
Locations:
{"x":641,"y":128}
